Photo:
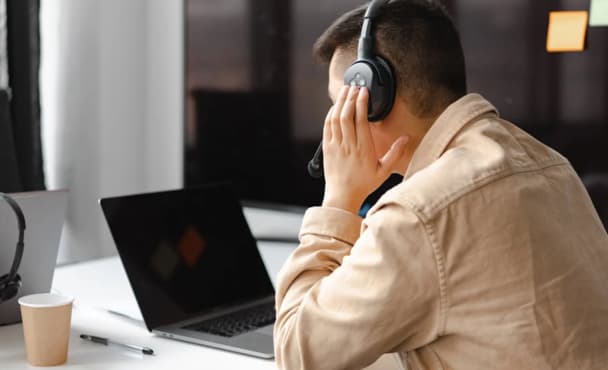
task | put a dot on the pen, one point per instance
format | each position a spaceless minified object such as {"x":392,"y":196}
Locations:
{"x":106,"y":341}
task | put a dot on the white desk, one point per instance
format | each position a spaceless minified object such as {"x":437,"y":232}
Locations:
{"x":102,"y":283}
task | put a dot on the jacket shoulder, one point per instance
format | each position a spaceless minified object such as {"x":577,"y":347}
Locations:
{"x":483,"y":152}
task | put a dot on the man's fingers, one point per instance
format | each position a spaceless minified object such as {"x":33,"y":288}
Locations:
{"x":362,"y":131}
{"x":347,"y":116}
{"x":327,"y":125}
{"x":336,"y":130}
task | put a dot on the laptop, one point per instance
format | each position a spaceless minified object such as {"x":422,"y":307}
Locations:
{"x":194,"y":267}
{"x":44,"y":213}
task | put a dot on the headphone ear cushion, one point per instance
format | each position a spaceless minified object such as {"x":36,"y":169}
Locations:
{"x":385,"y":92}
{"x":9,"y":288}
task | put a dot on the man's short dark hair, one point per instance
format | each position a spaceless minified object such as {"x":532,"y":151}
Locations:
{"x":421,"y":43}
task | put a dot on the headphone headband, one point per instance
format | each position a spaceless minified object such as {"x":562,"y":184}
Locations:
{"x":373,"y":8}
{"x":365,"y":49}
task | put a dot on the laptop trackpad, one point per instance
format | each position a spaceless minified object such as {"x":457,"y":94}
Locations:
{"x":257,"y":340}
{"x":266,"y":330}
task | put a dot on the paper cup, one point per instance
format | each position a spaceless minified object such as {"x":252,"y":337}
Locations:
{"x":46,"y":328}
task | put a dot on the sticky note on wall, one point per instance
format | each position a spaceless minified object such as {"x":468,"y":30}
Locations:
{"x":598,"y":13}
{"x":567,"y":31}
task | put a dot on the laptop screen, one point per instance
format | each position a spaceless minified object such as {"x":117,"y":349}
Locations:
{"x":186,"y":252}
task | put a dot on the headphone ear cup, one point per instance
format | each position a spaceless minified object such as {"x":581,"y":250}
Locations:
{"x":377,"y":76}
{"x":9,"y":288}
{"x":383,"y":92}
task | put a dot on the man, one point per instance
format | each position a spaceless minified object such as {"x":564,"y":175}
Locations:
{"x":489,"y":254}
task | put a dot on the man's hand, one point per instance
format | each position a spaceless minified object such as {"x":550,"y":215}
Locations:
{"x":351,"y":166}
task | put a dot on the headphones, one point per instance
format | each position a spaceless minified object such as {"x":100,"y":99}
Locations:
{"x":370,"y":71}
{"x":11,"y":282}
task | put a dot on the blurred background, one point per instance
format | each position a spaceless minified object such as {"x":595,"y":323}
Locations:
{"x":256,"y":100}
{"x":143,"y":95}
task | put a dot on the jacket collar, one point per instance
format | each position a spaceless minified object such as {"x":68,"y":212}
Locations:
{"x":457,"y":115}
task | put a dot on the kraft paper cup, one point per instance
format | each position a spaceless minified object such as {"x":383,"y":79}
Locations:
{"x":46,"y":328}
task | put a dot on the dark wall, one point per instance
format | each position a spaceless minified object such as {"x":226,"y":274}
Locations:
{"x":10,"y":181}
{"x":20,"y":141}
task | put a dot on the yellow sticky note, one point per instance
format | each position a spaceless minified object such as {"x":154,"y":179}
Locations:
{"x":567,"y":30}
{"x":598,"y":13}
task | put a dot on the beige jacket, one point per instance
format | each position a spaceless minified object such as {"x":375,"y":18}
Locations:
{"x":489,"y":255}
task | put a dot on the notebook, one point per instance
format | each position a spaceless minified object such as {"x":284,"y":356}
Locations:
{"x":194,"y":267}
{"x":44,"y":213}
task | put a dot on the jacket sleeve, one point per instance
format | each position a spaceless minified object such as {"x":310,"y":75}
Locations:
{"x":344,"y":298}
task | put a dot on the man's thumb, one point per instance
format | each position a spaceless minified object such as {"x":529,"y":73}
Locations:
{"x":388,"y":161}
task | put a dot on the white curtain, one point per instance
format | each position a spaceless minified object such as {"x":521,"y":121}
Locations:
{"x":112,"y":107}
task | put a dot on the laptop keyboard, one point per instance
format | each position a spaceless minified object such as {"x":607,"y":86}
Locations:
{"x":237,"y":322}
